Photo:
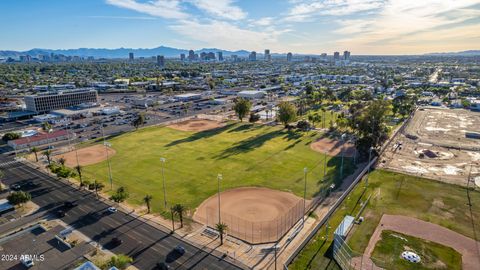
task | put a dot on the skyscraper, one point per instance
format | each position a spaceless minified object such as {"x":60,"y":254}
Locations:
{"x":160,"y":60}
{"x":289,"y":57}
{"x":267,"y":56}
{"x":346,"y":55}
{"x":220,"y":56}
{"x":253,"y":56}
{"x":210,"y":56}
{"x":191,"y":55}
{"x":336,"y":56}
{"x":130,"y":56}
{"x":182,"y":57}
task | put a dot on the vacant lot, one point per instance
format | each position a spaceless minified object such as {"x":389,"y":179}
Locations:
{"x":245,"y":154}
{"x":399,"y":194}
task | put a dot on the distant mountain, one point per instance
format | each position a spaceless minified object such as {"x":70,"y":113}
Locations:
{"x":118,"y":53}
{"x":462,"y":53}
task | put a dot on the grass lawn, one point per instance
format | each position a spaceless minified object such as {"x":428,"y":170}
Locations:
{"x":433,"y":256}
{"x":245,"y":154}
{"x":400,"y":194}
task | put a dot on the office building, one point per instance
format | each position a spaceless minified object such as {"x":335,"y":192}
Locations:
{"x":191,"y":55}
{"x":59,"y":100}
{"x":182,"y":57}
{"x":210,"y":56}
{"x":130,"y":56}
{"x":253,"y":56}
{"x":160,"y":60}
{"x":336,"y":56}
{"x":267,"y":56}
{"x":289,"y":57}
{"x":346,"y":55}
{"x":220,"y":56}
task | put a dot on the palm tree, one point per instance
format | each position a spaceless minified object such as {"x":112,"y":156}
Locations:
{"x":221,"y":228}
{"x":180,"y":210}
{"x":147,"y":200}
{"x":35,"y":151}
{"x":48,"y":154}
{"x":78,"y":168}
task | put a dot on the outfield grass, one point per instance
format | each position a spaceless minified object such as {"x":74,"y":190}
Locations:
{"x":433,"y":256}
{"x":394,"y":193}
{"x":245,"y":154}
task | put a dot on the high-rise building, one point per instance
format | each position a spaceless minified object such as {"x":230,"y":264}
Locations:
{"x":336,"y":56}
{"x":253,"y":56}
{"x":267,"y":56}
{"x":182,"y":57}
{"x":234,"y":58}
{"x":210,"y":56}
{"x":130,"y":56}
{"x":160,"y":60}
{"x":203,"y":56}
{"x":289,"y":57}
{"x":220,"y":56}
{"x":191,"y":55}
{"x":346,"y":55}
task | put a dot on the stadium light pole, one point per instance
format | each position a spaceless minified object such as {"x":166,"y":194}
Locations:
{"x":219,"y":177}
{"x":107,"y":144}
{"x":163,"y":160}
{"x":343,"y":155}
{"x":305,"y":171}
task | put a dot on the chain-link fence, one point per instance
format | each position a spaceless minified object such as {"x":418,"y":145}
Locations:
{"x":256,"y":232}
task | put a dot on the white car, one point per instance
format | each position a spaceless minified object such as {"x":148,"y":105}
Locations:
{"x":112,"y":209}
{"x":27,"y":262}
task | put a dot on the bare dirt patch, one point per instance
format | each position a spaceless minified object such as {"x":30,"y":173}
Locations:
{"x":196,"y":125}
{"x":86,"y":156}
{"x":255,"y":215}
{"x":333,"y":147}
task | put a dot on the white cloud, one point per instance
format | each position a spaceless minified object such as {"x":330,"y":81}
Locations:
{"x":221,"y":8}
{"x":303,"y":11}
{"x":168,"y":9}
{"x":123,"y":17}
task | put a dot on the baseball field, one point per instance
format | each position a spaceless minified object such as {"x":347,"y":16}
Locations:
{"x":246,"y":155}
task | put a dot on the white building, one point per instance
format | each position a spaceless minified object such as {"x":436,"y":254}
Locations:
{"x":188,"y":97}
{"x":251,"y":94}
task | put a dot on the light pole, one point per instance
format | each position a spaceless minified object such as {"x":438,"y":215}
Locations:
{"x":325,"y":165}
{"x":107,"y":144}
{"x":163,"y":160}
{"x":305,"y":171}
{"x":343,"y":155}
{"x":369,"y":165}
{"x":219,"y":177}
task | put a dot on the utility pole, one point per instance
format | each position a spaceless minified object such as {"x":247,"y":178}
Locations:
{"x":305,"y":170}
{"x":163,"y":160}
{"x":219,"y":177}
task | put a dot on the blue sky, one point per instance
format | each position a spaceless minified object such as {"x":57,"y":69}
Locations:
{"x":299,"y":26}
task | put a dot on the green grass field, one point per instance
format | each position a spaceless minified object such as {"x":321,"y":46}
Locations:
{"x":245,"y":154}
{"x":394,"y":193}
{"x":433,"y":256}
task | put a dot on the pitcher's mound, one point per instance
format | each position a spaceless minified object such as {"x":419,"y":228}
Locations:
{"x":255,"y":215}
{"x":333,"y":147}
{"x":86,"y":156}
{"x":196,"y":125}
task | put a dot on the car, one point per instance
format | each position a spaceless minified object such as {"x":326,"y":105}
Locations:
{"x":61,"y":213}
{"x":27,"y":262}
{"x":116,"y":241}
{"x":16,"y":187}
{"x":112,"y":209}
{"x":162,"y":266}
{"x":179,"y":249}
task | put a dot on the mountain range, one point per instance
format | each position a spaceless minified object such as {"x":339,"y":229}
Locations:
{"x":118,"y":53}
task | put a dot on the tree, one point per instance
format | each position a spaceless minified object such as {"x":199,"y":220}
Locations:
{"x":11,"y":136}
{"x":222,"y":229}
{"x":147,"y":199}
{"x":19,"y":197}
{"x":314,"y":118}
{"x":48,"y":154}
{"x":34,"y":150}
{"x":253,"y":117}
{"x":139,"y":121}
{"x":62,"y":161}
{"x":179,"y":209}
{"x":120,"y":195}
{"x":46,"y":126}
{"x":287,"y":113}
{"x":78,"y":168}
{"x":242,"y":107}
{"x":120,"y":261}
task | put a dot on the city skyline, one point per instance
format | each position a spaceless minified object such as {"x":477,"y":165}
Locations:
{"x":298,"y":26}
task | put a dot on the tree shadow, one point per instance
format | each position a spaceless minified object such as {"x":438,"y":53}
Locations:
{"x":201,"y":135}
{"x":248,"y":144}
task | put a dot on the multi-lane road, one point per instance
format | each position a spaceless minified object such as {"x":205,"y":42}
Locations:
{"x":147,"y":244}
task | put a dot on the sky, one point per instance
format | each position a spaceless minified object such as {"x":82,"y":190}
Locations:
{"x":298,"y":26}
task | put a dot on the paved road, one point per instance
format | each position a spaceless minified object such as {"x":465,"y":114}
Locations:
{"x":145,"y":243}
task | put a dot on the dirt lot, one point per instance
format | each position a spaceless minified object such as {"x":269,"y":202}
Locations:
{"x":333,"y":147}
{"x":86,"y":156}
{"x":252,"y":214}
{"x":434,"y":145}
{"x":196,"y":125}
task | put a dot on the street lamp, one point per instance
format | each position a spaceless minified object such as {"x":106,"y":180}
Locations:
{"x":344,"y":136}
{"x":163,"y":160}
{"x":219,"y":177}
{"x":305,"y":171}
{"x":369,"y":165}
{"x":107,"y":144}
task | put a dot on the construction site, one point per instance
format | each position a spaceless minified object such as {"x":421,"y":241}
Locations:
{"x":438,"y":143}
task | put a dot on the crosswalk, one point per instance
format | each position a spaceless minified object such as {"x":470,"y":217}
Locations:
{"x":8,"y":163}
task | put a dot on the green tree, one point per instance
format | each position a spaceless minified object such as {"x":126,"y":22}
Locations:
{"x":179,"y":209}
{"x":18,"y":197}
{"x":11,"y":136}
{"x":48,"y":154}
{"x":120,"y":195}
{"x":46,"y":126}
{"x":287,"y":113}
{"x":253,"y":117}
{"x":147,"y":199}
{"x":314,"y":118}
{"x":222,"y":229}
{"x":78,"y":168}
{"x":62,"y":161}
{"x":242,"y":107}
{"x":139,"y":120}
{"x":34,"y":150}
{"x":120,"y":261}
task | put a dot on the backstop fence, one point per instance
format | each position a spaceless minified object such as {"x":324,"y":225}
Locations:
{"x":348,"y":259}
{"x":256,"y":232}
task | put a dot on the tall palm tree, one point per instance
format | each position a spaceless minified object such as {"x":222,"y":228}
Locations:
{"x":179,"y":210}
{"x":48,"y":154}
{"x":78,"y":168}
{"x":222,"y":229}
{"x":147,"y":200}
{"x":35,"y":151}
